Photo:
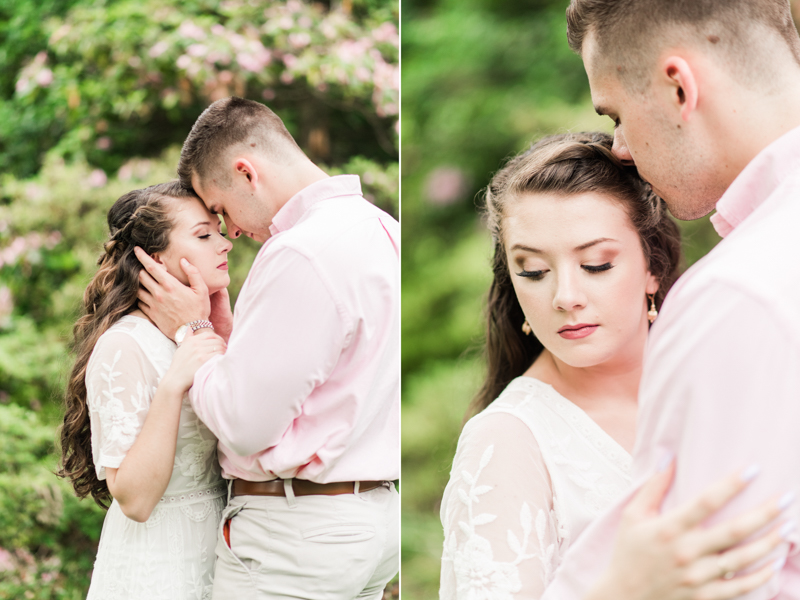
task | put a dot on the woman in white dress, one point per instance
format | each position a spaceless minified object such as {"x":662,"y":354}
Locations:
{"x":584,"y":255}
{"x":130,"y":436}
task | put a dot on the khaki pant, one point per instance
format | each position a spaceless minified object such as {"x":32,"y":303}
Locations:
{"x":309,"y":547}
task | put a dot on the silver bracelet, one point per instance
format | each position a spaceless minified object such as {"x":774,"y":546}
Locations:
{"x":200,"y":324}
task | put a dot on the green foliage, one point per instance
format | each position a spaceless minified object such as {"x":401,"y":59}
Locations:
{"x":45,"y":530}
{"x":110,"y":80}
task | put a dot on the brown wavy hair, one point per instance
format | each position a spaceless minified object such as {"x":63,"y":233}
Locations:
{"x":568,"y":164}
{"x":139,"y":218}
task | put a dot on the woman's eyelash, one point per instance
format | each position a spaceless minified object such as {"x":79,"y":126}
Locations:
{"x":535,"y":275}
{"x":598,"y":268}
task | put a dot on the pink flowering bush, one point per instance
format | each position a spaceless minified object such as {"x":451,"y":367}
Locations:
{"x":127,"y":79}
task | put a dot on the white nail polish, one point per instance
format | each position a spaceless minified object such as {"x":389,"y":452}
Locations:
{"x":778,"y":564}
{"x":786,"y":500}
{"x":788,"y":528}
{"x":751,"y":472}
{"x":663,"y":463}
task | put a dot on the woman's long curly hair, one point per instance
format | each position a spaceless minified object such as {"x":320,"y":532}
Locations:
{"x":567,"y":164}
{"x":139,"y":218}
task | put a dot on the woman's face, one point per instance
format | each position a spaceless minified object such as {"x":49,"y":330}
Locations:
{"x":580,"y":275}
{"x":196,"y":237}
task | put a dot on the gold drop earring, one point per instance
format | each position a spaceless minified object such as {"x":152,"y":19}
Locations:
{"x":652,"y":313}
{"x":526,"y":328}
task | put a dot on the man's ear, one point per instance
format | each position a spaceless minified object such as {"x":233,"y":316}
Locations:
{"x":243,"y":167}
{"x":683,"y":84}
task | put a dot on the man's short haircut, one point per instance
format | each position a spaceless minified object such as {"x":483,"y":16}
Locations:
{"x":233,"y":122}
{"x":629,"y":33}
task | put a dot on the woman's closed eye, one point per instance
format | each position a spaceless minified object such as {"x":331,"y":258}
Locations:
{"x":535,"y":275}
{"x":208,"y":235}
{"x":597,"y":268}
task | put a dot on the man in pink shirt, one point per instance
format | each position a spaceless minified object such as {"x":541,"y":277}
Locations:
{"x":305,"y":401}
{"x":705,"y":95}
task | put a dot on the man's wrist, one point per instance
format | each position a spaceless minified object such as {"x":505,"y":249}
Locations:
{"x":190,"y":327}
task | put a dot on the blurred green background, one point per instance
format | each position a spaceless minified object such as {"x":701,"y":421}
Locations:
{"x":96,"y":97}
{"x":481,"y":79}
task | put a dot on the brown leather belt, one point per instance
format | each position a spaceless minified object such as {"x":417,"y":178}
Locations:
{"x":301,"y":487}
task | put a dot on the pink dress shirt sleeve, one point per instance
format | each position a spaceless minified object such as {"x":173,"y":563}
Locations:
{"x":717,"y":374}
{"x":286,"y":340}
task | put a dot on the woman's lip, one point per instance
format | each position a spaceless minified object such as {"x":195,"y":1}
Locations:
{"x":223,"y":266}
{"x":575,"y":332}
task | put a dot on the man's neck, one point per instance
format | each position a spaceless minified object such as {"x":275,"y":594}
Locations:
{"x":751,"y":121}
{"x":296,"y":178}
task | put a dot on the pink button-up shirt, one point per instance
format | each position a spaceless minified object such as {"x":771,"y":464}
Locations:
{"x":310,"y":384}
{"x":721,"y":382}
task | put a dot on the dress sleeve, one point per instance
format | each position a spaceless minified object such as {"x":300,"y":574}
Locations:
{"x":120,"y":384}
{"x":500,"y":531}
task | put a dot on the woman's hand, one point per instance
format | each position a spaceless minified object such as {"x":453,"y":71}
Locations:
{"x":672,"y":556}
{"x":193,"y":353}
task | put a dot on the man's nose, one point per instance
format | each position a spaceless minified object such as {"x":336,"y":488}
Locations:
{"x":620,"y":148}
{"x":233,"y":231}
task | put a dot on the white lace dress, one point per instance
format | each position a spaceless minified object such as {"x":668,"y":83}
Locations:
{"x":531,"y":471}
{"x":171,"y":556}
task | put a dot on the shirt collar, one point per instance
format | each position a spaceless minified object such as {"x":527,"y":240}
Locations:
{"x":757,"y":181}
{"x":302,"y":201}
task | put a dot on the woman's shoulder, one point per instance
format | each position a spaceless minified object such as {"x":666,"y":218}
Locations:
{"x":134,"y":336}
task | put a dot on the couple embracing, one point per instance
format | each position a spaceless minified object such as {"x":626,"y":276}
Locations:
{"x":635,"y":439}
{"x":247,"y":454}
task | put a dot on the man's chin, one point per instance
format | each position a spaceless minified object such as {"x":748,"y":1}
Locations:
{"x":258,"y":237}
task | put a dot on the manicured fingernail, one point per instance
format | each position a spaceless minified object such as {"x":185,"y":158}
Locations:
{"x":664,"y":462}
{"x":778,"y":564}
{"x":786,"y":500}
{"x":751,"y":472}
{"x":788,"y":528}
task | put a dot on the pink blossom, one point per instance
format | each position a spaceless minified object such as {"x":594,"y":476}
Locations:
{"x":305,"y":22}
{"x":299,"y":40}
{"x":191,"y":31}
{"x":350,"y":50}
{"x":216,"y":56}
{"x":184,"y":60}
{"x":158,"y":49}
{"x":197,"y":50}
{"x":6,"y":561}
{"x":286,"y":23}
{"x":218,"y":29}
{"x":328,"y":30}
{"x":225,"y":77}
{"x":103,"y":143}
{"x":97,"y":178}
{"x":135,"y":62}
{"x":125,"y":172}
{"x":290,"y":60}
{"x":248,"y":62}
{"x":446,"y":185}
{"x":52,"y":239}
{"x":294,"y":6}
{"x":268,"y":94}
{"x":363,"y":74}
{"x":387,"y":32}
{"x":44,"y":77}
{"x":287,"y":77}
{"x":23,"y":85}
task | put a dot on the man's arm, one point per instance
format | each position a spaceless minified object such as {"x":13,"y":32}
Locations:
{"x":288,"y":335}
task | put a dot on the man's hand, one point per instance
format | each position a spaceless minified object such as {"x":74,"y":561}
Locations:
{"x":165,"y":300}
{"x":221,"y":315}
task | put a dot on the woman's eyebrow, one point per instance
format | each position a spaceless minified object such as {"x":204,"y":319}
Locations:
{"x":594,"y":242}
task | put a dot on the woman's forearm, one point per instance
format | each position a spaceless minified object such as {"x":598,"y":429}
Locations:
{"x":140,"y":481}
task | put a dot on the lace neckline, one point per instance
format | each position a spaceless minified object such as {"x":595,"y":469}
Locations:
{"x":580,"y":421}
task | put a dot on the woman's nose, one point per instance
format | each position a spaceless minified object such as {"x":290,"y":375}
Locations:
{"x":568,"y":295}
